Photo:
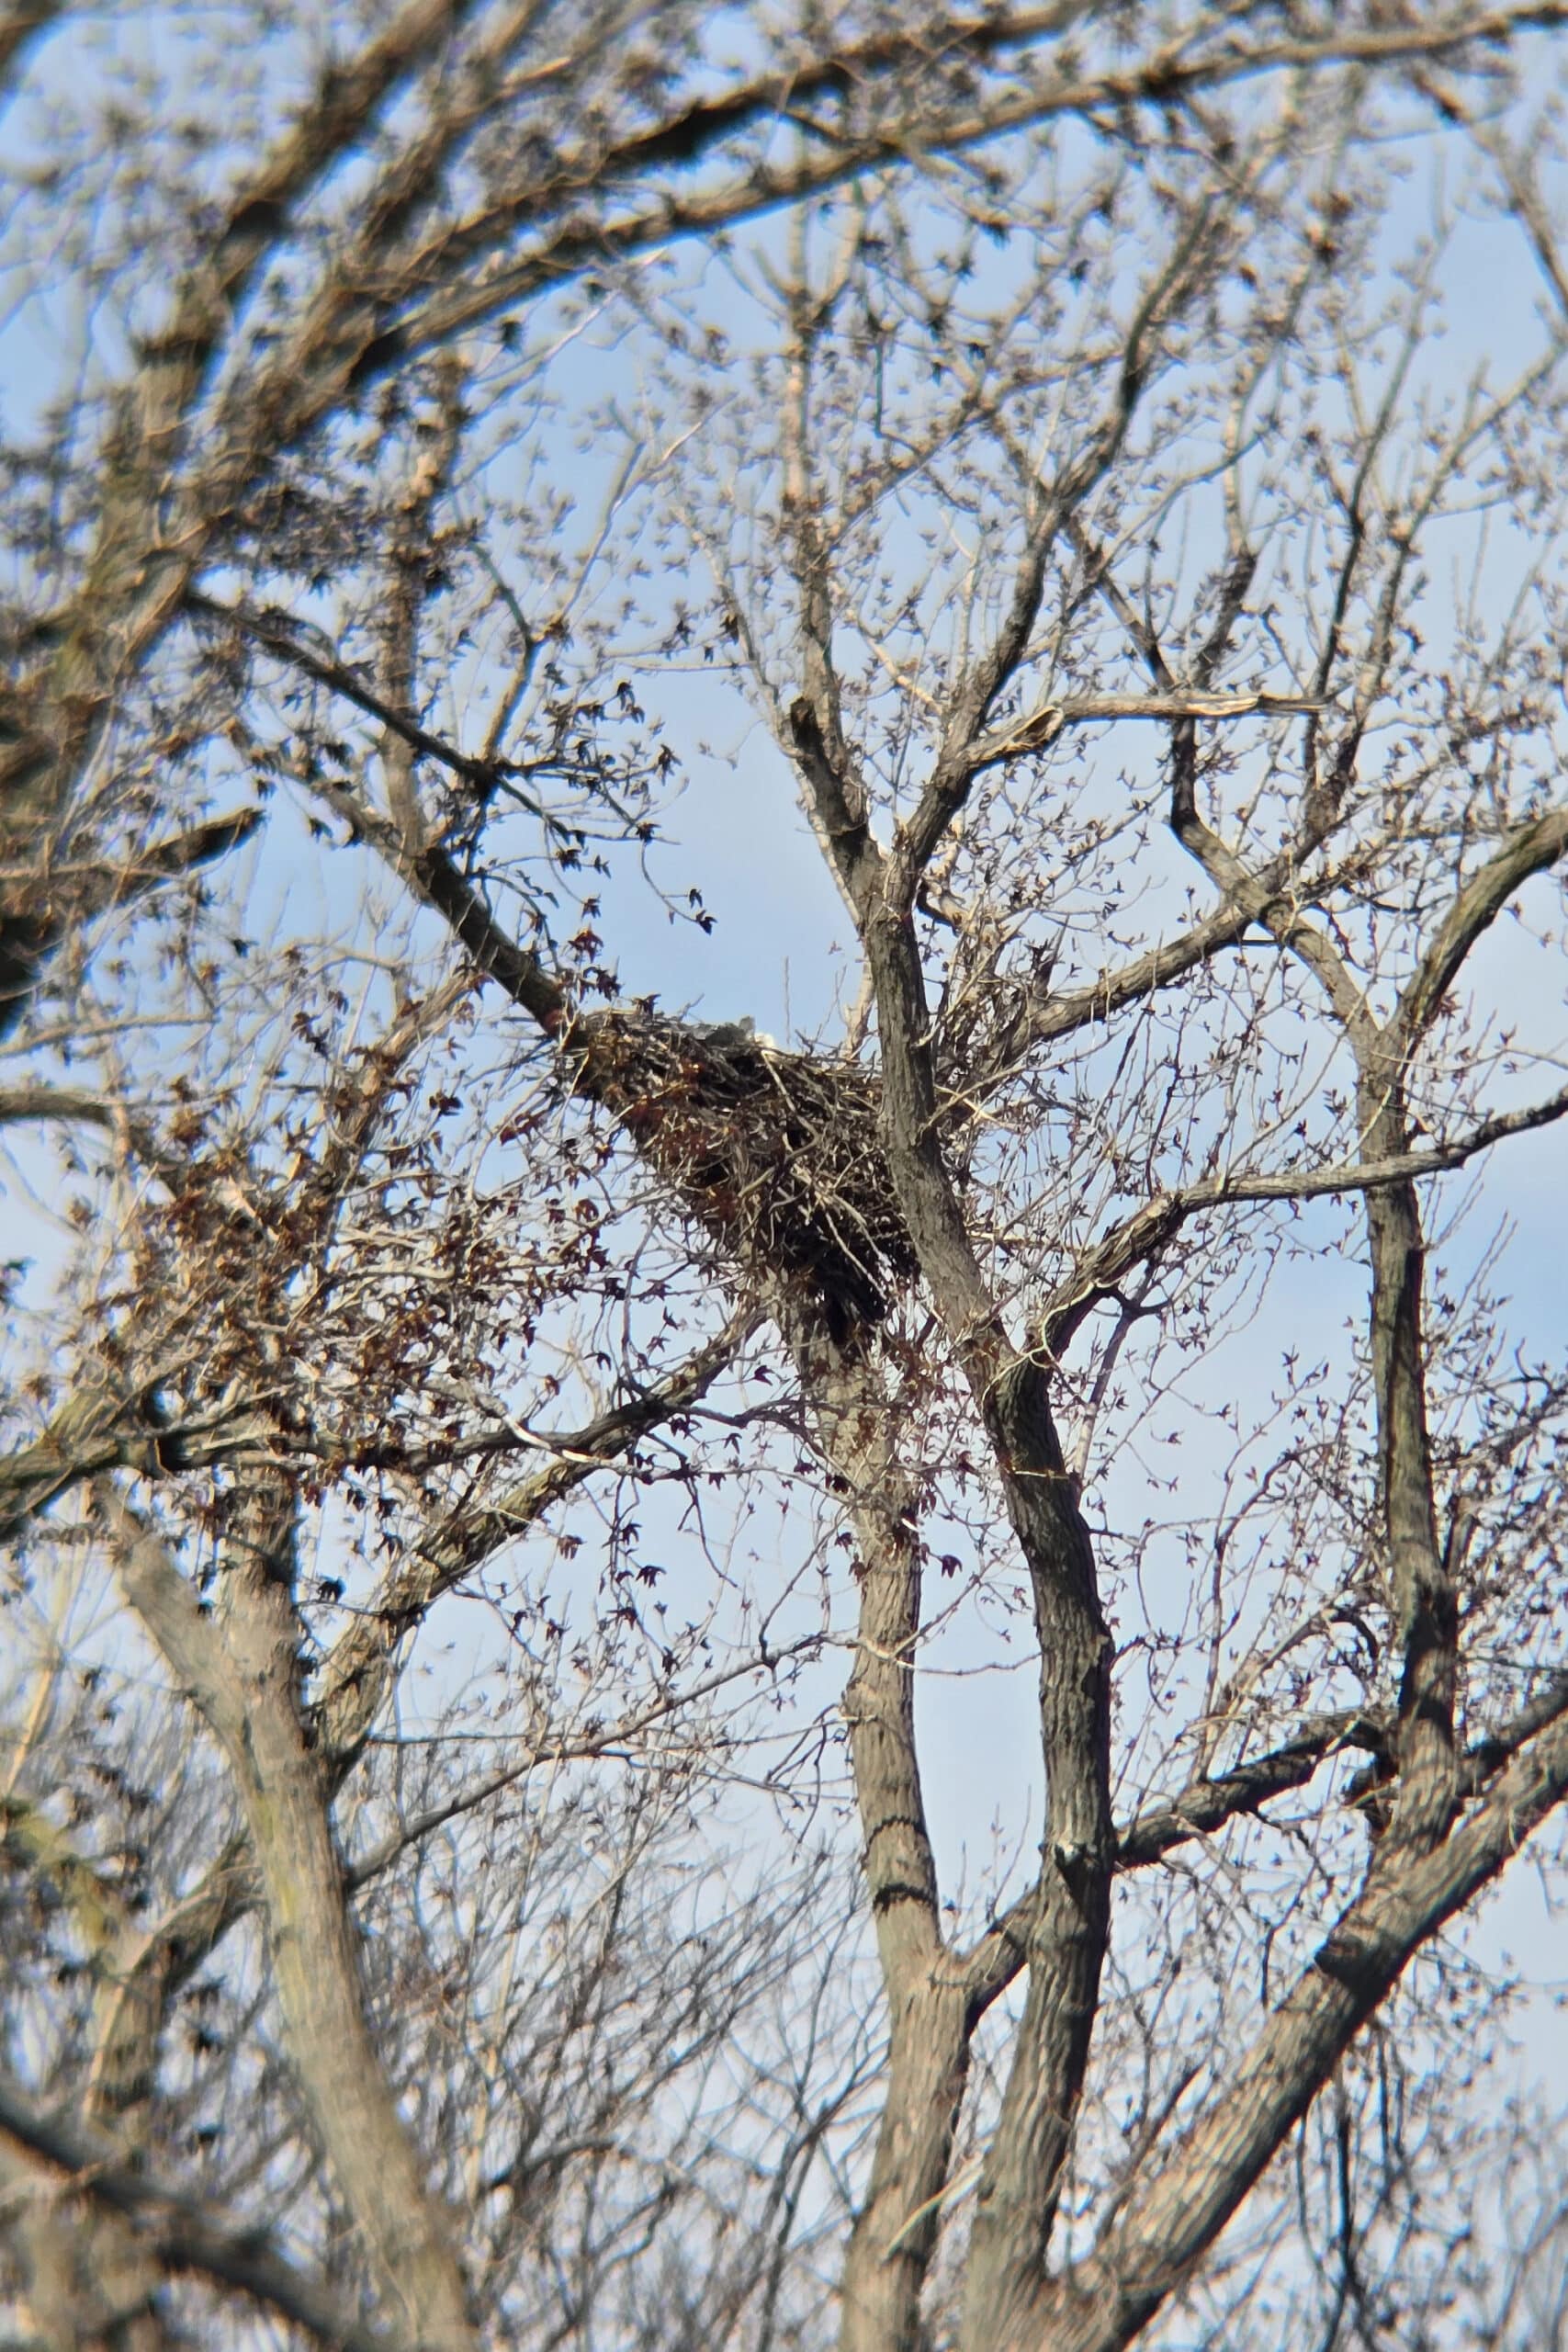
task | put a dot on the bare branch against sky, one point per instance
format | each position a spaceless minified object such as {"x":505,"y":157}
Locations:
{"x":781,"y":1057}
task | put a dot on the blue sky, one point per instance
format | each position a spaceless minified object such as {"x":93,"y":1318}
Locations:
{"x":777,"y":953}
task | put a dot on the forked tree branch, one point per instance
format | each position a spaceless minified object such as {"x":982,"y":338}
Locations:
{"x":183,"y":2236}
{"x":243,"y":1679}
{"x":1143,"y":1236}
{"x":1208,"y":1804}
{"x":144,"y":1968}
{"x":1199,"y":1810}
{"x":1174,"y":2217}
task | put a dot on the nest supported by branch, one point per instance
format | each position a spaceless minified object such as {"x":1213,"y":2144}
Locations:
{"x":776,"y":1155}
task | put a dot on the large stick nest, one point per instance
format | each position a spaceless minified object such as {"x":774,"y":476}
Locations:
{"x":774,"y":1154}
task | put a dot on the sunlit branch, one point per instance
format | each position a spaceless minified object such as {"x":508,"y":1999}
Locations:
{"x":1042,"y":727}
{"x":1535,"y":848}
{"x":1181,"y":2209}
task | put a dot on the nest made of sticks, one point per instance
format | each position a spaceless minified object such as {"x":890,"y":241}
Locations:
{"x":774,"y":1154}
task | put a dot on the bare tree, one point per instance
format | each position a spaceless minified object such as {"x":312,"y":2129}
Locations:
{"x":502,"y":1472}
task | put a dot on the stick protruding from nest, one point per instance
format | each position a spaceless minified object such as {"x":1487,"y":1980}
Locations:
{"x":775,"y":1154}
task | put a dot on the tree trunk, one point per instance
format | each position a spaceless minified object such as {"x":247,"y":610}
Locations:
{"x":243,"y":1671}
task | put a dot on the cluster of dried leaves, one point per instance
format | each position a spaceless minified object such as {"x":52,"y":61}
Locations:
{"x":507,"y":1483}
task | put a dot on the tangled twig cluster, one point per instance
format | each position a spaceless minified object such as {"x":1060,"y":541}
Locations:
{"x":774,"y":1154}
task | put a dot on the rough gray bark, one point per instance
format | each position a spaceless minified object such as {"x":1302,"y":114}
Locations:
{"x":930,"y":2019}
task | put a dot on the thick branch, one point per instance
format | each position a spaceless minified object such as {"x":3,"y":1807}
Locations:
{"x":1174,"y":2220}
{"x":928,"y":2032}
{"x":838,"y":801}
{"x":35,"y":1099}
{"x":38,"y":907}
{"x":141,"y":568}
{"x":1202,"y":1808}
{"x":1144,"y":1234}
{"x":99,"y":1430}
{"x":1180,"y":67}
{"x":183,"y":2236}
{"x":136,"y":577}
{"x":1042,"y":726}
{"x":1206,"y":1805}
{"x":19,"y":24}
{"x":243,"y":1675}
{"x":1043,"y":1018}
{"x":575,"y":244}
{"x":1533,"y":849}
{"x":279,"y":635}
{"x":432,"y":874}
{"x":1022,"y":2178}
{"x":140,"y":1970}
{"x":1426,"y":1602}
